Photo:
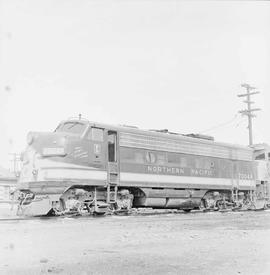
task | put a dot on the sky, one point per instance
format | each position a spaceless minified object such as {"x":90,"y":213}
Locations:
{"x":177,"y":65}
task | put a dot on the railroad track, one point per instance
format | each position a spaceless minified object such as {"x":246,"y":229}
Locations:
{"x":136,"y":212}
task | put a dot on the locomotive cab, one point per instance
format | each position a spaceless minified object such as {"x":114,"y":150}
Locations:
{"x":78,"y":157}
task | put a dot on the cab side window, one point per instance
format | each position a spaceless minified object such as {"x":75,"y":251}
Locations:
{"x":96,"y":134}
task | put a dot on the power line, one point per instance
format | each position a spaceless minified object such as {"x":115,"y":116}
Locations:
{"x":239,"y":123}
{"x":220,"y":125}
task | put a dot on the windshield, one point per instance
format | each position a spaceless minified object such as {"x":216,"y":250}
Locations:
{"x":74,"y":127}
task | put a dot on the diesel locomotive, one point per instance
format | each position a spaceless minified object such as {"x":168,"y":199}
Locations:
{"x":91,"y":167}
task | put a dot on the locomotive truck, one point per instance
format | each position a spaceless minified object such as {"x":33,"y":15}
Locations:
{"x":92,"y":167}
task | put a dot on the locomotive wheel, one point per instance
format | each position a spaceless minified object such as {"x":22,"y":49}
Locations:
{"x":221,"y":205}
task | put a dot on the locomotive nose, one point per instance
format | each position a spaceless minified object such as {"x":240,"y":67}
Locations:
{"x":41,"y":146}
{"x":47,"y":144}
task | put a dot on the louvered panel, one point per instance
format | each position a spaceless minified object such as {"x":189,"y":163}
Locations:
{"x":184,"y":145}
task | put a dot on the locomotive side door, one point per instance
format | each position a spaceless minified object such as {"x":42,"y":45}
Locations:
{"x":97,"y":150}
{"x":235,"y":175}
{"x":113,"y":165}
{"x":235,"y":180}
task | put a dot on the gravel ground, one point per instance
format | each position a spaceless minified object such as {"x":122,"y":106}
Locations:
{"x":194,"y":243}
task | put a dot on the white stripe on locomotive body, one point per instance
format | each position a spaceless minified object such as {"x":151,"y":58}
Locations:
{"x":40,"y":162}
{"x":180,"y":180}
{"x":184,"y":145}
{"x":72,"y":174}
{"x":53,"y":170}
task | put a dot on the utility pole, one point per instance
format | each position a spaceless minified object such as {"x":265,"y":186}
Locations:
{"x":249,"y":111}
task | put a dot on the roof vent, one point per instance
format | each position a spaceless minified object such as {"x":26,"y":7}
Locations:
{"x":200,"y":136}
{"x":160,"y":131}
{"x":129,"y":126}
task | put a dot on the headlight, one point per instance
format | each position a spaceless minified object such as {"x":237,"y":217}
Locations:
{"x":57,"y":151}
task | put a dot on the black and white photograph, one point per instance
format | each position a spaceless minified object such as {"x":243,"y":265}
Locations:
{"x":135,"y":137}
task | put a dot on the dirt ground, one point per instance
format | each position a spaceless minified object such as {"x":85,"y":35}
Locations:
{"x":194,"y":243}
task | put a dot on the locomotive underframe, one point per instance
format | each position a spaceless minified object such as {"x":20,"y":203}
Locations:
{"x":107,"y":199}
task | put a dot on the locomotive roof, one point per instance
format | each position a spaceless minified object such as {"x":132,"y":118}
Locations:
{"x":134,"y":137}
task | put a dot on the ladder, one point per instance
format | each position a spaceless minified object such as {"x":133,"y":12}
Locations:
{"x":112,"y":182}
{"x":234,"y":194}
